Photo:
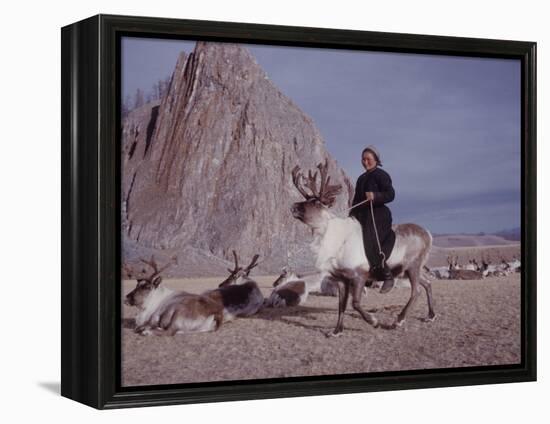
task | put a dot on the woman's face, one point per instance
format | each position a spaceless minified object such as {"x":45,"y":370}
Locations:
{"x":369,"y":161}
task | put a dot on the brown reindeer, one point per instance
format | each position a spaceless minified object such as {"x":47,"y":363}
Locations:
{"x":163,"y":311}
{"x":238,"y":294}
{"x":456,"y":272}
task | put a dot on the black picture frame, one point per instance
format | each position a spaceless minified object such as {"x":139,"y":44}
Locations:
{"x":91,"y":226}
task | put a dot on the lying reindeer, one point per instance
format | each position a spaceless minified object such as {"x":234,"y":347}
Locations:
{"x":292,"y":289}
{"x":456,"y":272}
{"x":238,"y":295}
{"x":338,"y":245}
{"x":167,"y":312}
{"x":317,"y":282}
{"x":289,"y":290}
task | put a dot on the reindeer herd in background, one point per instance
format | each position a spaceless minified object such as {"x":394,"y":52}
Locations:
{"x":343,"y":271}
{"x":475,"y":270}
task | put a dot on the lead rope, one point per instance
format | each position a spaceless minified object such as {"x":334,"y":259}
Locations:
{"x":383,"y":263}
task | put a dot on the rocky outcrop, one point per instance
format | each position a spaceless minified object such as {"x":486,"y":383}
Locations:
{"x":209,"y":166}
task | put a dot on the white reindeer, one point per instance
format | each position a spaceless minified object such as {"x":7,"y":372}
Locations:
{"x":501,"y":269}
{"x":472,"y":265}
{"x":438,"y":272}
{"x":515,"y":264}
{"x":507,"y":267}
{"x":338,"y":246}
{"x":487,"y":268}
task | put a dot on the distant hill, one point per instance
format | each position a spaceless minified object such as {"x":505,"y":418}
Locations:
{"x":510,"y":234}
{"x":466,"y":240}
{"x":500,"y":238}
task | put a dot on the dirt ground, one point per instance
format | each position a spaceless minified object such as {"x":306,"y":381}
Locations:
{"x":478,"y":323}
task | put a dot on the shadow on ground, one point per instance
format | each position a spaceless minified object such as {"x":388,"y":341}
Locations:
{"x":52,"y":387}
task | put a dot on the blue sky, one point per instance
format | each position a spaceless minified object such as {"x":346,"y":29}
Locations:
{"x":448,"y":128}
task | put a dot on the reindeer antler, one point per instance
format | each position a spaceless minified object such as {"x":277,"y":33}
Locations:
{"x":296,"y":177}
{"x":234,"y":274}
{"x":128,"y":270}
{"x":153,"y":264}
{"x":253,"y":264}
{"x":326,"y":193}
{"x":237,"y":268}
{"x":311,"y":183}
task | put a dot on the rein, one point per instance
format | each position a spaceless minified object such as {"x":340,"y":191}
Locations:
{"x":383,"y":263}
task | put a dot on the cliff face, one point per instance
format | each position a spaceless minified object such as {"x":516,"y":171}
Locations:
{"x":209,"y":167}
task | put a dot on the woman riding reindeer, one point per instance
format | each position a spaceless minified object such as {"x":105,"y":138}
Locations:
{"x":372,"y":191}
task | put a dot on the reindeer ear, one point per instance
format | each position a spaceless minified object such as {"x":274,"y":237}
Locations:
{"x":157,"y":281}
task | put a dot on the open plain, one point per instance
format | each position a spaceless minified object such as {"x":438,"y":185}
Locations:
{"x":478,"y":323}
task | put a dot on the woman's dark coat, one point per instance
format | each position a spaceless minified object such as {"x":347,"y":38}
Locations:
{"x":379,"y":182}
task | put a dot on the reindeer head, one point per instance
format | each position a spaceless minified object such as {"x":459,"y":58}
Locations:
{"x":453,"y":262}
{"x":504,"y":263}
{"x":279,"y":280}
{"x":239,"y":275}
{"x":313,"y":210}
{"x":450,"y":262}
{"x":145,"y":283}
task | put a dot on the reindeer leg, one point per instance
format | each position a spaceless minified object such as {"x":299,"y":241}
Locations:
{"x":357,"y":290}
{"x":170,"y":331}
{"x":413,"y":278}
{"x":428,"y":287}
{"x":218,"y":320}
{"x":343,"y":294}
{"x":158,"y":331}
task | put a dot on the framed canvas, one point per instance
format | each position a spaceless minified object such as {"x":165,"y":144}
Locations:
{"x":254,"y":211}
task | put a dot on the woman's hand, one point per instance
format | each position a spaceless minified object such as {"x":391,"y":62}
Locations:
{"x":369,"y":195}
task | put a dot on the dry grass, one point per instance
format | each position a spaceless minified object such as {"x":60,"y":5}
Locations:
{"x":478,"y":323}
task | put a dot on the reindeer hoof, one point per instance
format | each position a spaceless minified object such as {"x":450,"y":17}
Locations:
{"x":429,"y":319}
{"x":333,"y":334}
{"x":398,"y":323}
